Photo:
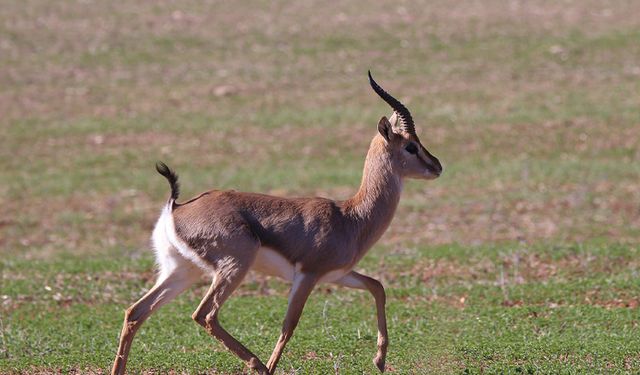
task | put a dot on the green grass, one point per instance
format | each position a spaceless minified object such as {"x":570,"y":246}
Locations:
{"x":521,"y":258}
{"x":573,"y":321}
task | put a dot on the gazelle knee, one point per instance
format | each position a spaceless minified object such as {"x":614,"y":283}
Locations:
{"x":132,"y":319}
{"x":198,"y":318}
{"x":205,"y":318}
{"x":132,"y":315}
{"x":211,"y":320}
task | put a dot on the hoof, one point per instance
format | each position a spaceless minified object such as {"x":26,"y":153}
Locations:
{"x":256,"y":365}
{"x":379,"y":362}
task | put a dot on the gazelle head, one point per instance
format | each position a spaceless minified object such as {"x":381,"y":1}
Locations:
{"x":410,"y":158}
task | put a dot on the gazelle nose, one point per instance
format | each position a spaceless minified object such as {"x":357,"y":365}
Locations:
{"x":436,"y":167}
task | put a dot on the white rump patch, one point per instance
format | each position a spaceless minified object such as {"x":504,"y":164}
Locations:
{"x":165,"y":233}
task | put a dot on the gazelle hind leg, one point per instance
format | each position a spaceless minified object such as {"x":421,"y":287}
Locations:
{"x":226,"y":279}
{"x":169,"y":285}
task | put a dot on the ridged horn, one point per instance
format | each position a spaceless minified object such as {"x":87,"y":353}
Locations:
{"x":402,"y":111}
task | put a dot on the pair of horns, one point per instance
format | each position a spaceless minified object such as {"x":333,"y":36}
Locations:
{"x":401,"y":111}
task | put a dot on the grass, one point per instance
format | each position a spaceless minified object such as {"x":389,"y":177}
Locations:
{"x":521,"y":258}
{"x":567,"y":309}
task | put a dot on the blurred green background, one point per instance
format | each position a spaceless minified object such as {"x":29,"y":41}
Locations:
{"x":522,"y":257}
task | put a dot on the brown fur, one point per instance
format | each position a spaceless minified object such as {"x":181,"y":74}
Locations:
{"x":319,"y":234}
{"x":224,"y":230}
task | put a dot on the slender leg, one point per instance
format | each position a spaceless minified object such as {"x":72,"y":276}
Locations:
{"x":224,"y":283}
{"x":359,"y":281}
{"x":164,"y":291}
{"x":302,"y":286}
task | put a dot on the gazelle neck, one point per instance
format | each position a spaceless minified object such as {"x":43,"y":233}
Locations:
{"x":375,"y":203}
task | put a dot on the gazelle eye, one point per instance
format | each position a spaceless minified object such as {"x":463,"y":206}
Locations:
{"x":411,"y":148}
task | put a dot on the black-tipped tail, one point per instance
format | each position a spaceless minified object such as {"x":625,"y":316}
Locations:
{"x":171,"y":176}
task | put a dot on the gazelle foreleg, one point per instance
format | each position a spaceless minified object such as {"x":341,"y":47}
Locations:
{"x":300,"y":290}
{"x":164,"y":291}
{"x":225,"y":281}
{"x":359,"y":281}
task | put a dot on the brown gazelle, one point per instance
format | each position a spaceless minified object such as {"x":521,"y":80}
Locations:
{"x":307,"y":241}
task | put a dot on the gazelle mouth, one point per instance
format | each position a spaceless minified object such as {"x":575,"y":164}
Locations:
{"x":433,"y":171}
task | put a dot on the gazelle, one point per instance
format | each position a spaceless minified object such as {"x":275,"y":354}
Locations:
{"x":306,"y":241}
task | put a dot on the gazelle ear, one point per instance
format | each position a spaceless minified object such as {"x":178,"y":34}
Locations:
{"x":393,"y":120}
{"x":385,"y":129}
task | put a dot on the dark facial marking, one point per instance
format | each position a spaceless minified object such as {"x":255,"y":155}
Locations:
{"x":411,"y":148}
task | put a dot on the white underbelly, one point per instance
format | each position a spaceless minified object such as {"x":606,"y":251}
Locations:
{"x":270,"y":262}
{"x":332,"y":276}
